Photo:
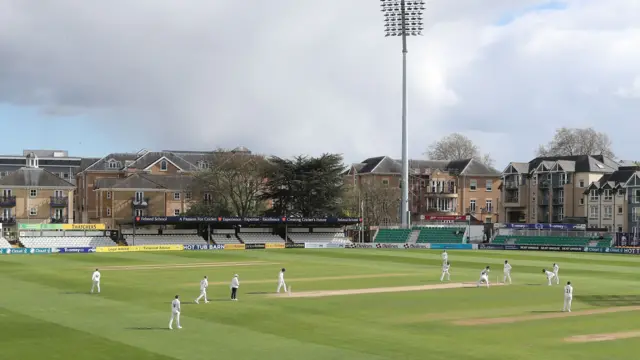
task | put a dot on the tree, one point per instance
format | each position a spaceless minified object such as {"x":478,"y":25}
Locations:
{"x":234,"y":184}
{"x":576,"y":141}
{"x":457,"y":147}
{"x":305,"y":186}
{"x":377,"y":203}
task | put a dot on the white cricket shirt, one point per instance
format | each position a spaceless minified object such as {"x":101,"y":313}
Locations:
{"x":556,"y":268}
{"x":550,"y":274}
{"x":568,"y":291}
{"x":175,"y":305}
{"x":204,"y":284}
{"x":445,"y":267}
{"x":281,"y":276}
{"x":95,"y":276}
{"x":507,"y":268}
{"x":235,"y":283}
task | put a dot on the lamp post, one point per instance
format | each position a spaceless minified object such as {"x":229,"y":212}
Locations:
{"x":403,"y":18}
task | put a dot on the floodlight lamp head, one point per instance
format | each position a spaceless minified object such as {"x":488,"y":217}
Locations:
{"x":403,"y":17}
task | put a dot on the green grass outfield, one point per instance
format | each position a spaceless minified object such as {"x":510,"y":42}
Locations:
{"x":46,"y":311}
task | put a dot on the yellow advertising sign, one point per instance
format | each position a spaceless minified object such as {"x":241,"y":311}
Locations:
{"x":83,"y":227}
{"x":234,"y":246}
{"x":274,"y":246}
{"x":112,"y":249}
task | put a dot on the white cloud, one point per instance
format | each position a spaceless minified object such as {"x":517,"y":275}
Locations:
{"x":290,"y":77}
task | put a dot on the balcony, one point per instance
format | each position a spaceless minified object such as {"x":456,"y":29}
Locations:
{"x":8,"y":221}
{"x":512,"y":201}
{"x":7,"y":201}
{"x":543,"y":184}
{"x":511,"y":185}
{"x":560,"y":184}
{"x":59,"y":201}
{"x":138,"y":203}
{"x":558,"y":201}
{"x":444,"y":192}
{"x":59,"y":220}
{"x":557,"y":218}
{"x":543,"y":201}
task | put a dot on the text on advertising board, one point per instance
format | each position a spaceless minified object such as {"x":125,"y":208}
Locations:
{"x":274,"y":246}
{"x":234,"y":246}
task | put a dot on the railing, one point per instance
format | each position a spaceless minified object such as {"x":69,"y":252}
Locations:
{"x":558,"y":201}
{"x":58,"y":220}
{"x":543,"y":185}
{"x":139,"y":203}
{"x":8,"y":220}
{"x":543,"y":201}
{"x":436,"y":191}
{"x":59,"y":201}
{"x":7,"y":201}
{"x":513,"y":199}
{"x":511,"y":185}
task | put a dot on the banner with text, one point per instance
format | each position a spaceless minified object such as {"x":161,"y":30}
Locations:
{"x":161,"y":220}
{"x":234,"y":246}
{"x":203,"y":247}
{"x":254,"y":246}
{"x":77,"y":227}
{"x":274,"y":246}
{"x":27,"y":251}
{"x":76,"y":250}
{"x":546,"y":226}
{"x":452,"y":246}
{"x":112,"y":249}
{"x":294,"y":246}
{"x":314,"y":245}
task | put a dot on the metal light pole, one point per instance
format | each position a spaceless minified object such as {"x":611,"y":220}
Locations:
{"x":404,"y":18}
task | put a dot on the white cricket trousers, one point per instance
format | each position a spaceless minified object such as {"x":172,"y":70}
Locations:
{"x":281,"y":284}
{"x":567,"y":303}
{"x":485,"y":279}
{"x":557,"y":278}
{"x":175,"y":315}
{"x":445,"y":273}
{"x":203,"y":294}
{"x":507,"y":276}
{"x":95,"y":286}
{"x":550,"y":278}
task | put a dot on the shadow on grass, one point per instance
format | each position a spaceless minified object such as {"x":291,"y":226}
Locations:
{"x":543,"y":312}
{"x":78,"y":293}
{"x":258,"y":293}
{"x":147,"y":329}
{"x":609,"y":300}
{"x":534,"y":284}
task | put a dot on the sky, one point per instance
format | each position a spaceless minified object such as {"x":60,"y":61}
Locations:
{"x":290,"y":77}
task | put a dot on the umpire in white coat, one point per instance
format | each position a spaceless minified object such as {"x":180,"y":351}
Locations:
{"x":235,"y":284}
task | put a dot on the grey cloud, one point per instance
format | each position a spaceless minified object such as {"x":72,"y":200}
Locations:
{"x":289,"y":77}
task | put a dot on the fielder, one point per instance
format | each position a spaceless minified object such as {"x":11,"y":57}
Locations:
{"x":96,"y":281}
{"x":235,"y":284}
{"x":281,"y":282}
{"x":556,"y":268}
{"x":550,"y":275}
{"x":445,"y":271}
{"x":204,"y":284}
{"x":507,"y":272}
{"x":445,"y":257}
{"x":568,"y":297}
{"x":175,"y":313}
{"x":484,"y":277}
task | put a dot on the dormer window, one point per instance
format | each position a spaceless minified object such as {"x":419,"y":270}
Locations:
{"x":113,"y":164}
{"x":32,"y":160}
{"x":203,"y":165}
{"x":163,"y":165}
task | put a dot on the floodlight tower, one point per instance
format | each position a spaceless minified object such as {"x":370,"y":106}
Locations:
{"x":404,"y":18}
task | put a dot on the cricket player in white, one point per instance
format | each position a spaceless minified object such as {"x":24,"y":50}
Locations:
{"x":556,"y":268}
{"x":235,"y":284}
{"x":507,"y":272}
{"x":445,"y":257}
{"x":550,"y":275}
{"x":445,"y":271}
{"x":204,"y":284}
{"x":175,"y":313}
{"x":96,"y":281}
{"x":281,"y":282}
{"x":568,"y":297}
{"x":484,"y":277}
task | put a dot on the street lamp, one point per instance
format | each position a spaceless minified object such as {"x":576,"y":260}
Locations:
{"x":403,"y":18}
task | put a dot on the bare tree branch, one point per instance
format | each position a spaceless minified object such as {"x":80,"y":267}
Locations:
{"x":457,"y":147}
{"x":576,"y":141}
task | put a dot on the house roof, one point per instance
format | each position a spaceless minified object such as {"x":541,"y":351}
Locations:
{"x":613,"y":180}
{"x":103,"y":163}
{"x":387,"y":165}
{"x":34,"y":177}
{"x":579,"y":163}
{"x":146,"y":181}
{"x":151,"y":158}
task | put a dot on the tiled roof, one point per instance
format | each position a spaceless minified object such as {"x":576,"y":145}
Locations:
{"x":581,"y":163}
{"x":34,"y":177}
{"x":147,"y":181}
{"x":150,"y":158}
{"x":387,"y":165}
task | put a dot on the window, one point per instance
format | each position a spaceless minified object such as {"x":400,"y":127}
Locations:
{"x":58,"y":214}
{"x":619,"y":209}
{"x":473,"y":185}
{"x":608,"y":212}
{"x":108,"y":211}
{"x":33,"y":211}
{"x":139,"y":196}
{"x":176,"y":196}
{"x":581,"y":183}
{"x":489,"y":205}
{"x":58,"y":193}
{"x":163,"y":165}
{"x":563,"y":178}
{"x":108,"y":194}
{"x":635,"y":214}
{"x":489,"y":185}
{"x":139,"y":212}
{"x":176,"y":212}
{"x":619,"y":228}
{"x":561,"y":197}
{"x":620,"y":192}
{"x":112,"y":164}
{"x":636,"y":196}
{"x":208,"y":197}
{"x":534,"y":180}
{"x":593,"y":195}
{"x":423,"y":183}
{"x":187,"y":196}
{"x":581,"y":201}
{"x":472,"y":206}
{"x":593,"y":212}
{"x":33,"y":193}
{"x":608,"y":196}
{"x":385,"y":182}
{"x":6,"y":214}
{"x":7,"y":193}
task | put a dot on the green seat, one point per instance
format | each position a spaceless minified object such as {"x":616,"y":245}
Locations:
{"x":393,"y":235}
{"x":441,"y":235}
